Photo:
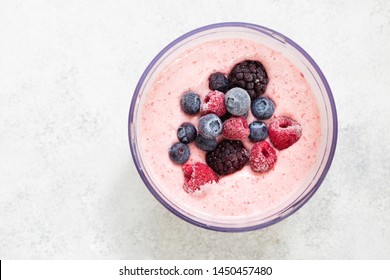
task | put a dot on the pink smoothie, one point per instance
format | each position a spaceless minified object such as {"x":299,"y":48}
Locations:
{"x":244,"y":192}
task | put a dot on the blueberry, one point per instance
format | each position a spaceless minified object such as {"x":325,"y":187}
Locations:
{"x":186,"y":133}
{"x":190,"y":103}
{"x":205,"y":144}
{"x":218,"y":81}
{"x":237,"y":101}
{"x":262,"y":108}
{"x":228,"y":116}
{"x":258,"y":131}
{"x":179,"y":153}
{"x":210,"y":126}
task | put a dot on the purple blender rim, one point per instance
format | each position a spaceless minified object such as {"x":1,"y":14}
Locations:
{"x":300,"y":202}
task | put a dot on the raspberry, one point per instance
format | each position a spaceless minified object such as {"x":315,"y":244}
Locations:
{"x":214,"y":102}
{"x":229,"y":157}
{"x":196,"y":175}
{"x":249,"y":75}
{"x":262,"y":157}
{"x":283,"y":132}
{"x":235,"y":128}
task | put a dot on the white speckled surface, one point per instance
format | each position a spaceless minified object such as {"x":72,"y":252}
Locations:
{"x":68,"y":186}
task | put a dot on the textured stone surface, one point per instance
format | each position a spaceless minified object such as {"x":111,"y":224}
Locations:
{"x":68,"y":187}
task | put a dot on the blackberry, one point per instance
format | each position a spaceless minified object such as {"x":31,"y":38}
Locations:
{"x":228,"y":157}
{"x":249,"y":75}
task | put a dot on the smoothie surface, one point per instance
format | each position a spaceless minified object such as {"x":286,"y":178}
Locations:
{"x":244,"y":192}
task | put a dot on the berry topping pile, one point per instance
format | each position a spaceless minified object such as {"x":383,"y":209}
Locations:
{"x":222,"y":132}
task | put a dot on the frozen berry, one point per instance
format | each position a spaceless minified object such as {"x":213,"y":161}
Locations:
{"x":283,"y":132}
{"x":218,"y":81}
{"x":235,"y":128}
{"x":197,"y":175}
{"x":237,"y":101}
{"x":190,"y":103}
{"x":258,"y":131}
{"x":179,"y":153}
{"x":214,"y":102}
{"x":228,"y":157}
{"x":262,"y":108}
{"x":249,"y":75}
{"x":263,"y":157}
{"x":186,"y":133}
{"x":205,"y":144}
{"x":210,"y":126}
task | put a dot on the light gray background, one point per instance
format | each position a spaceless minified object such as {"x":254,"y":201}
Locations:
{"x":68,"y":186}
